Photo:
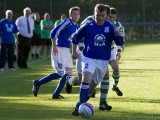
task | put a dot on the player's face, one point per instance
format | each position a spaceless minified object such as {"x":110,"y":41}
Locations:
{"x":9,"y":16}
{"x":112,"y":17}
{"x":75,"y":15}
{"x":100,"y":17}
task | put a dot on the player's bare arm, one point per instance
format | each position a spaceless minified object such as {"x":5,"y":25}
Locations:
{"x":74,"y":52}
{"x":54,"y":50}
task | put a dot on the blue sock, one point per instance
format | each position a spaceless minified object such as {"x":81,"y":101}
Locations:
{"x":48,"y":78}
{"x":61,"y":84}
{"x":84,"y":92}
{"x":78,"y":104}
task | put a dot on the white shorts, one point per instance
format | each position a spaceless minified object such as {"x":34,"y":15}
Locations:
{"x":113,"y":54}
{"x":63,"y":60}
{"x":98,"y":68}
{"x":79,"y":61}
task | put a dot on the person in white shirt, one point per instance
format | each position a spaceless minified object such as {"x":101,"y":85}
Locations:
{"x":25,"y":26}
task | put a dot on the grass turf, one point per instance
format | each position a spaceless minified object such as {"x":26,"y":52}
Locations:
{"x":139,"y":70}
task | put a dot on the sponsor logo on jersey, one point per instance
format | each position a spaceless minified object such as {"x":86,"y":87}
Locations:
{"x":99,"y":40}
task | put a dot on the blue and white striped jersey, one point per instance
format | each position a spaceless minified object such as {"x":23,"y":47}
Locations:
{"x":97,"y":39}
{"x":63,"y":32}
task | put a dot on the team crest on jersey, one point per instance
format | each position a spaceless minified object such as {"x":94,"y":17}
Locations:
{"x":99,"y":40}
{"x":106,"y":30}
{"x":9,"y":28}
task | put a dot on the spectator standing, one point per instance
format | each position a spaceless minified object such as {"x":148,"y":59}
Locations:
{"x":8,"y":29}
{"x":25,"y":26}
{"x":36,"y":39}
{"x":63,"y":16}
{"x":46,"y":27}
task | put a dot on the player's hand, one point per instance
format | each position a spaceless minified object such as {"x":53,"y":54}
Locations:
{"x":17,"y":42}
{"x":116,"y":32}
{"x":75,"y":55}
{"x":118,"y":56}
{"x":54,"y":51}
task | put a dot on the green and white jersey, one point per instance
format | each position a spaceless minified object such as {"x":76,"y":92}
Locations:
{"x":120,"y":28}
{"x":87,"y":20}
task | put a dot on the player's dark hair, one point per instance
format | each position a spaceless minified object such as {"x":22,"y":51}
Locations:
{"x":73,"y":8}
{"x":102,"y":7}
{"x":113,"y":10}
{"x":108,"y":9}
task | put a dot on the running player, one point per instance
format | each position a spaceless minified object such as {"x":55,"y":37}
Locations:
{"x":115,"y":54}
{"x":61,"y":56}
{"x":115,"y":57}
{"x":98,"y":36}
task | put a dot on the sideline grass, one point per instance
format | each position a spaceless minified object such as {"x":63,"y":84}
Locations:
{"x":140,"y":68}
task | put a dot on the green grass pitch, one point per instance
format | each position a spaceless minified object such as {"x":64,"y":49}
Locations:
{"x":140,"y":83}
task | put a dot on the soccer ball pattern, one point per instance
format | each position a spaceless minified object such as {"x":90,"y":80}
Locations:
{"x":86,"y":110}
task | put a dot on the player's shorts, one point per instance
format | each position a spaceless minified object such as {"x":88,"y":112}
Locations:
{"x":63,"y":60}
{"x":79,"y":61}
{"x":98,"y":68}
{"x":113,"y":54}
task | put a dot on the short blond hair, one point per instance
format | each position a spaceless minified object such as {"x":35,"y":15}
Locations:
{"x":74,"y":8}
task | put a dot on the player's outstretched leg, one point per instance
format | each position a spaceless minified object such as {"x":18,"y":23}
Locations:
{"x":35,"y":88}
{"x":117,"y":90}
{"x":69,"y":84}
{"x":62,"y":82}
{"x":104,"y":106}
{"x":72,"y":80}
{"x":46,"y":79}
{"x":116,"y":77}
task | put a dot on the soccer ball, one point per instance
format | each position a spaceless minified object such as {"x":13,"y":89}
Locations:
{"x":86,"y":110}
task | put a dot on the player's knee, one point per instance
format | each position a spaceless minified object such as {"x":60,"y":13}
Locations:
{"x":116,"y":70}
{"x":106,"y":76}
